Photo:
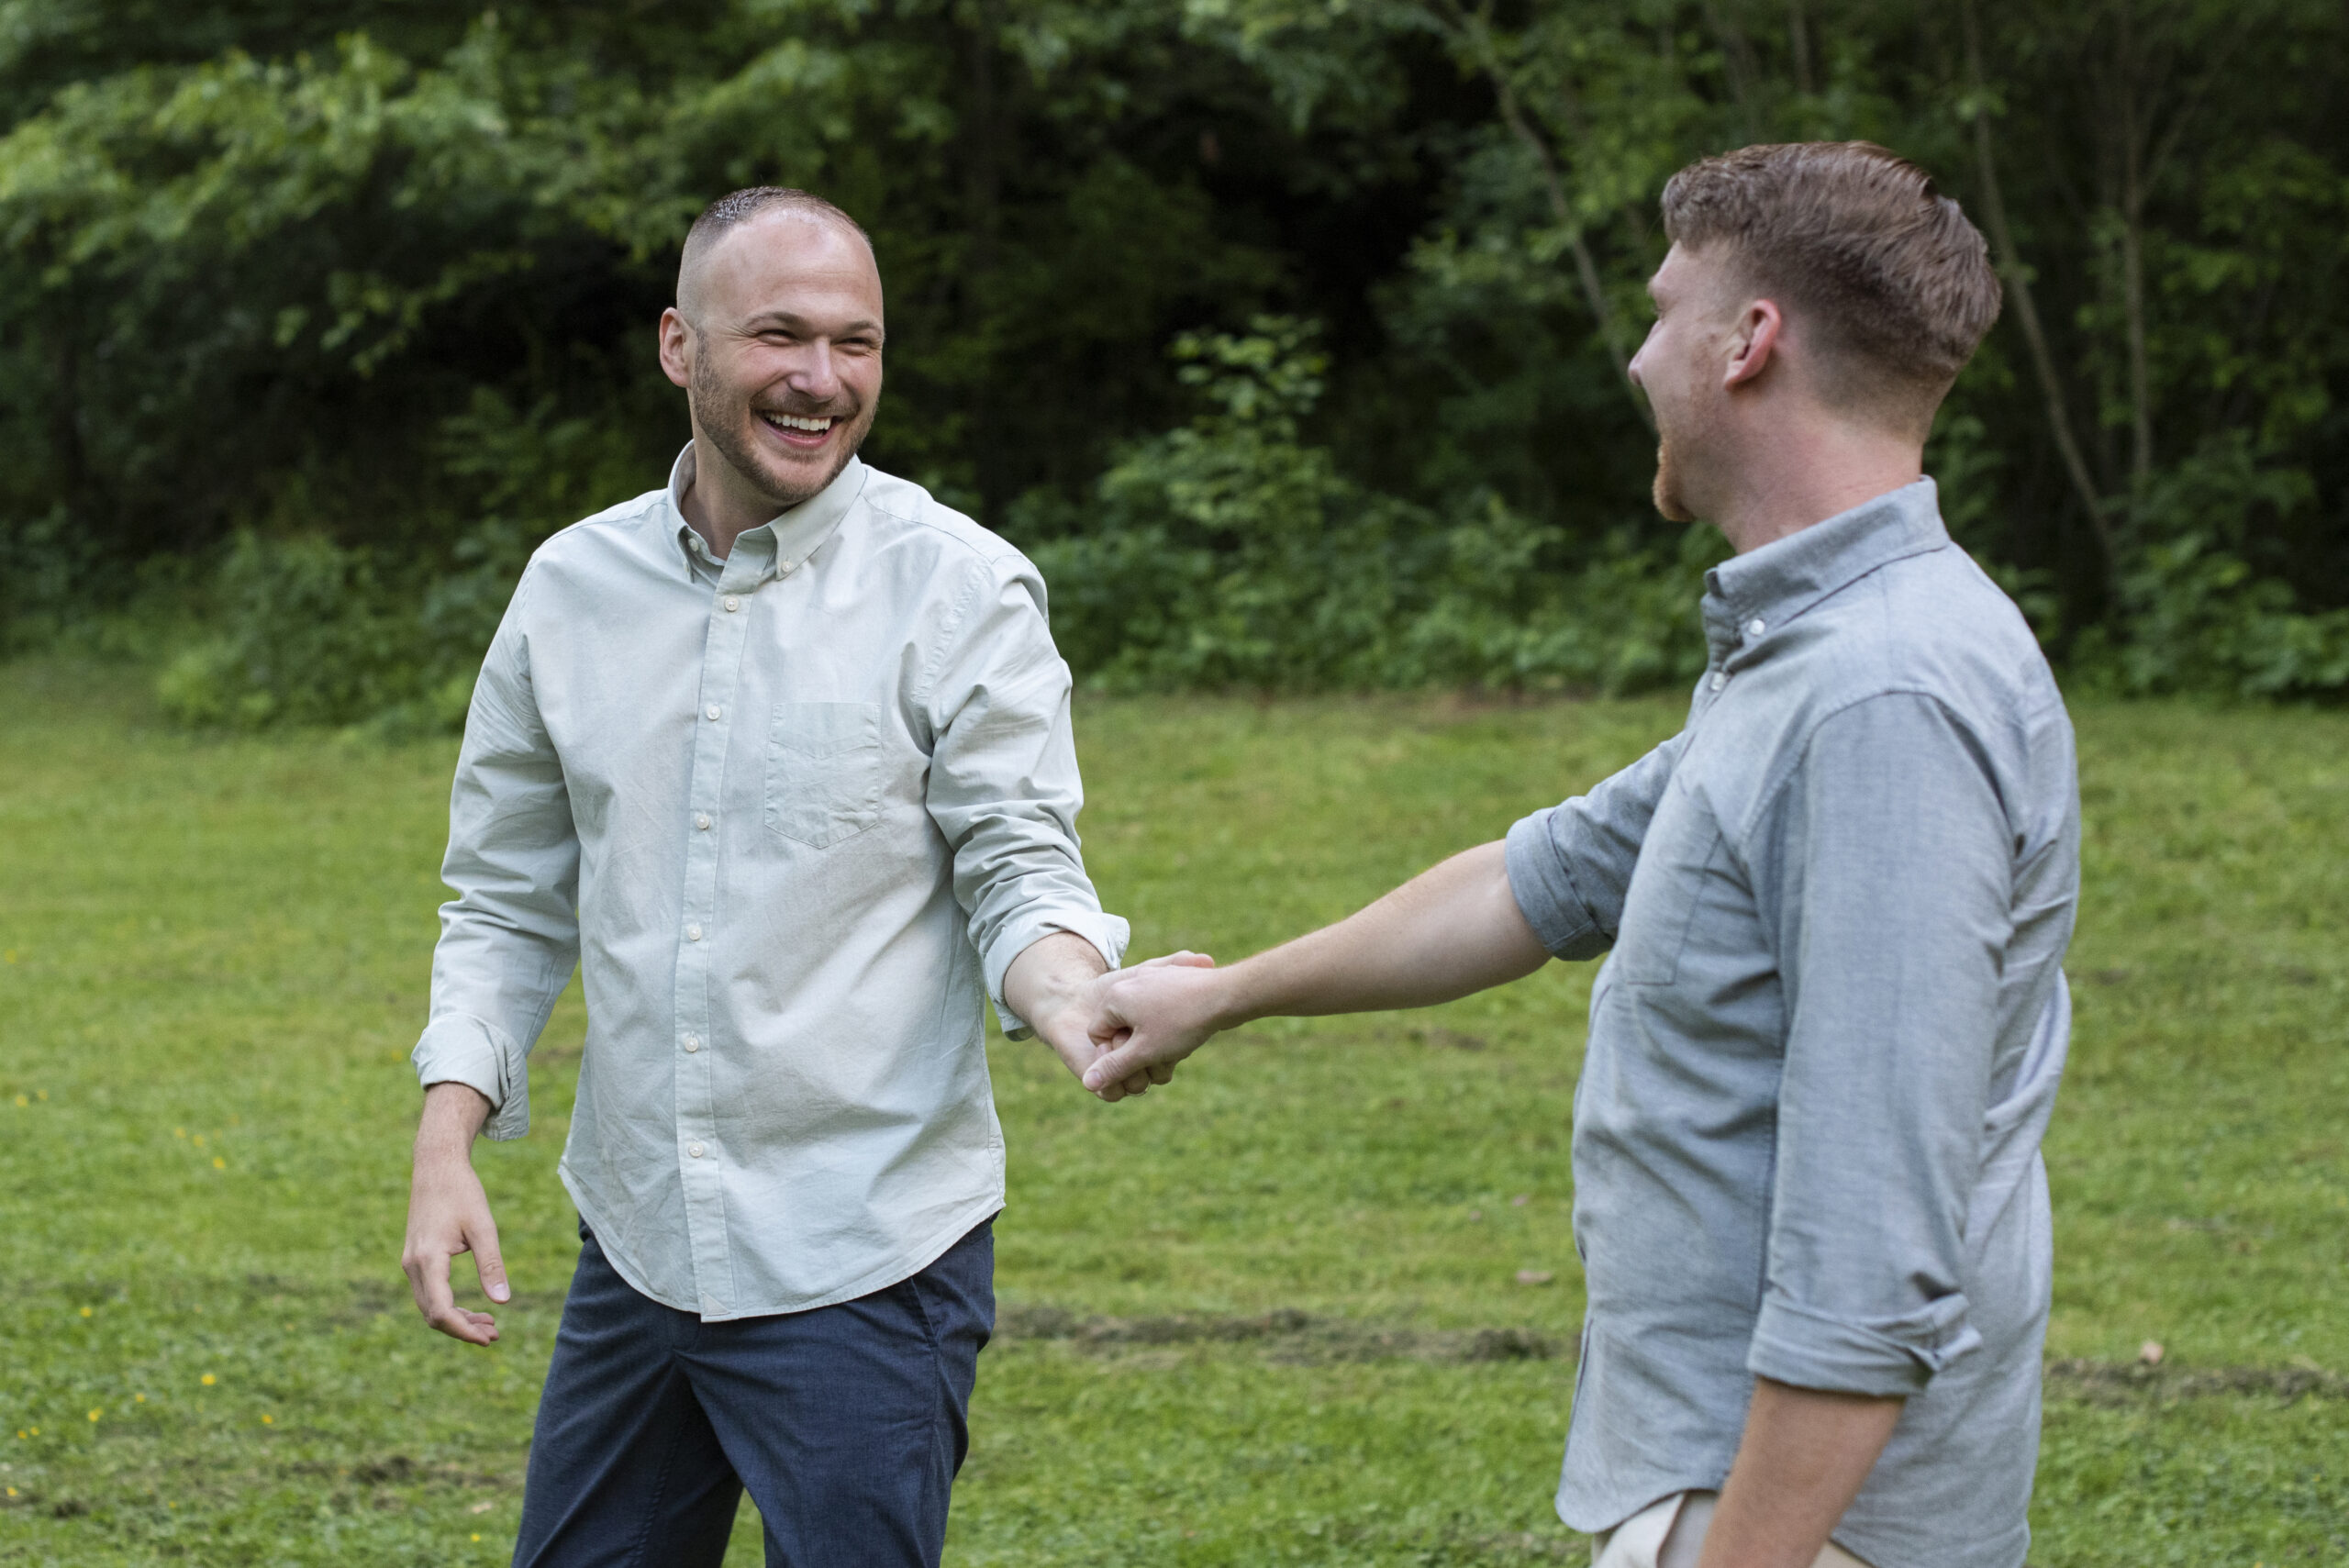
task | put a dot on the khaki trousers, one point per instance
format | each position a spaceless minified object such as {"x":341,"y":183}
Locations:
{"x":1671,"y":1534}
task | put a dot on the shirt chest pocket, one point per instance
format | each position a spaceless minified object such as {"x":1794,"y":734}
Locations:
{"x":1684,"y":851}
{"x":824,"y":771}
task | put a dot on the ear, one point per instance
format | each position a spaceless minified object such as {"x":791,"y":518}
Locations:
{"x":1752,"y":343}
{"x":676,"y":346}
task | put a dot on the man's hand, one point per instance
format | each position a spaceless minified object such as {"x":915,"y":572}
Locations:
{"x":1151,"y":1016}
{"x":1056,"y":985}
{"x":448,"y":1213}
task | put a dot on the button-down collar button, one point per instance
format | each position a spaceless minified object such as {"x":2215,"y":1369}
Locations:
{"x":1756,"y":627}
{"x":694,"y":1150}
{"x":1721,"y":678}
{"x":693,"y":933}
{"x":701,"y":820}
{"x":712,"y":711}
{"x":733,"y":604}
{"x":691,"y":1043}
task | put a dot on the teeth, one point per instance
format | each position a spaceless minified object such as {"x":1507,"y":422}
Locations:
{"x":799,"y":422}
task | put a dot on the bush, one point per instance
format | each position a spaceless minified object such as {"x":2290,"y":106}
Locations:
{"x":308,"y":631}
{"x":2197,"y":615}
{"x":1231,"y":552}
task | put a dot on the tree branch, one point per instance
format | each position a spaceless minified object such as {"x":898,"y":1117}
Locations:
{"x":2018,"y":281}
{"x":1476,"y":30}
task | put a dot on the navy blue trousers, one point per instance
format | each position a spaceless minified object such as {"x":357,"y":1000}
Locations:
{"x":846,"y":1424}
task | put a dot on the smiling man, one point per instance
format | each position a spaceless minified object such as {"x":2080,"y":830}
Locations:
{"x":1807,"y":1190}
{"x":780,"y":756}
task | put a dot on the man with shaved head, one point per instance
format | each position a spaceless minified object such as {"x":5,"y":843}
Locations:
{"x":779,"y":755}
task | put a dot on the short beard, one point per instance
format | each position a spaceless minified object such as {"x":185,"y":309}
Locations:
{"x":1668,"y":500}
{"x":714,"y":416}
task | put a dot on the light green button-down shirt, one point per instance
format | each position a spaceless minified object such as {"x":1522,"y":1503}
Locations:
{"x":791,"y":812}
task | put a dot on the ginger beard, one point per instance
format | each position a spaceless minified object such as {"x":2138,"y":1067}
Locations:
{"x":1681,"y":452}
{"x":1667,"y":489}
{"x":732,"y":424}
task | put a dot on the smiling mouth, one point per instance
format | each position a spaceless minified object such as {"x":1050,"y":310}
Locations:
{"x":805,"y":431}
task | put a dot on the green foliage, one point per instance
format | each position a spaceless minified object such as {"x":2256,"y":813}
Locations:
{"x":2201,"y":617}
{"x":1233,"y":552}
{"x":1227,"y":552}
{"x":257,"y":262}
{"x":227,"y":937}
{"x":308,"y":639}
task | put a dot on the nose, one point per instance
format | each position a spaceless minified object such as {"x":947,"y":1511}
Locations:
{"x":816,"y":376}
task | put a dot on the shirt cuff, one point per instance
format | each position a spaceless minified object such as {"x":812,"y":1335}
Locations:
{"x":1108,"y":933}
{"x":1545,"y":891}
{"x":1886,"y":1357}
{"x":462,"y":1049}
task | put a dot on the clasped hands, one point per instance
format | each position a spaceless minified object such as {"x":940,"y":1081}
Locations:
{"x":1123,"y":1031}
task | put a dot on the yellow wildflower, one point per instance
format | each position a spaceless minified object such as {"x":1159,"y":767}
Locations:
{"x":140,"y":1397}
{"x":207,"y":1380}
{"x":269,"y":1420}
{"x":85,"y":1312}
{"x":218,"y":1163}
{"x":96,"y":1413}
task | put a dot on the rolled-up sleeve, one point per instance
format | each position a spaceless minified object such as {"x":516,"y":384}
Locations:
{"x":1883,"y":865}
{"x":1570,"y":865}
{"x":510,"y":938}
{"x":1004,"y":788}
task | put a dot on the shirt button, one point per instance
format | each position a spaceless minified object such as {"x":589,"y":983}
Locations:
{"x":694,"y":1150}
{"x":701,"y":820}
{"x":1721,"y":678}
{"x":733,"y":604}
{"x":1756,"y":627}
{"x":691,"y":1043}
{"x":693,"y":933}
{"x":711,"y":711}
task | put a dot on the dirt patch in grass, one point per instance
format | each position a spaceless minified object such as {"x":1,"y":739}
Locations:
{"x":1286,"y":1336}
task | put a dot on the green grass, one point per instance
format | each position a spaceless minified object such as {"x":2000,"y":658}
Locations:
{"x":1270,"y":1316}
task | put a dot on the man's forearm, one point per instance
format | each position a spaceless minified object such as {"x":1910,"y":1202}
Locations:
{"x":1803,"y":1459}
{"x":1048,"y":973}
{"x":1453,"y":929}
{"x":453,"y":1117}
{"x":1447,"y":932}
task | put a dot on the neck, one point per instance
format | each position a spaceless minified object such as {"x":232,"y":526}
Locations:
{"x":1786,"y":481}
{"x":719,"y":504}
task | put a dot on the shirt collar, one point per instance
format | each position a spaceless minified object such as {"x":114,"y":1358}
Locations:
{"x":1782,"y":579}
{"x":789,"y":537}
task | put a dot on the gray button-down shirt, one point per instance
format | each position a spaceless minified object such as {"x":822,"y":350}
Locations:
{"x":793,"y":810}
{"x":1827,"y":1040}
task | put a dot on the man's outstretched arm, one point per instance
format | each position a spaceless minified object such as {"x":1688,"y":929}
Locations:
{"x":1450,"y":931}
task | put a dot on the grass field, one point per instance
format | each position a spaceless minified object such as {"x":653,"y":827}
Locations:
{"x":1270,"y":1316}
